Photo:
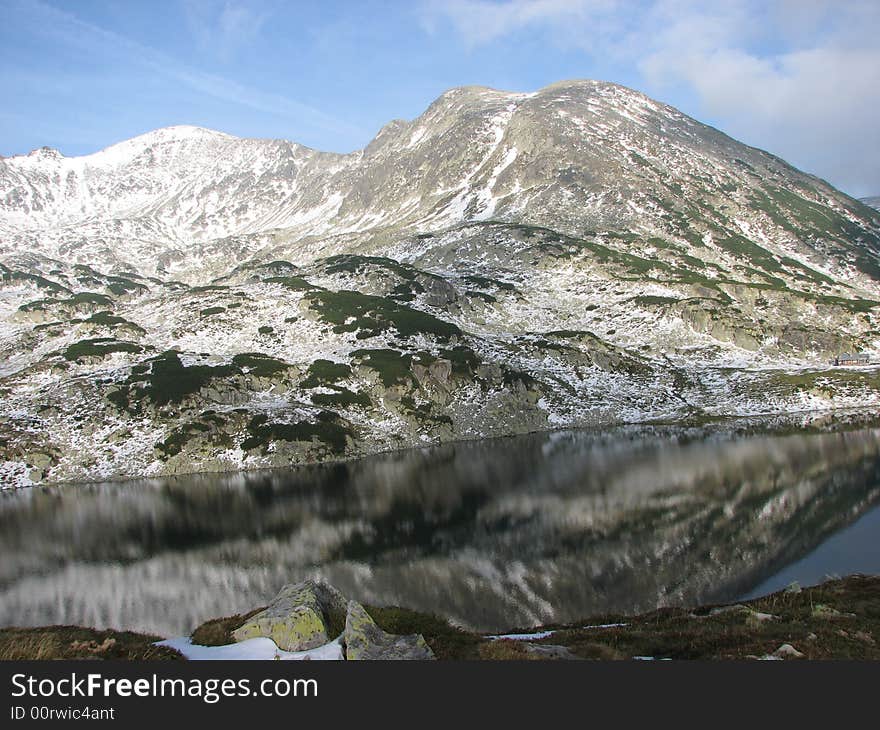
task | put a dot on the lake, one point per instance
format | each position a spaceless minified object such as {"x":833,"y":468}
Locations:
{"x":492,"y":534}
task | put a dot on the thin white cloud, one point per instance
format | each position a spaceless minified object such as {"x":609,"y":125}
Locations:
{"x":224,"y":27}
{"x":800,"y":78}
{"x":70,"y":29}
{"x":814,"y":100}
{"x":483,"y":21}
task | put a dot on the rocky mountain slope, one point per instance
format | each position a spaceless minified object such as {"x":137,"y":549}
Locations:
{"x":582,"y":255}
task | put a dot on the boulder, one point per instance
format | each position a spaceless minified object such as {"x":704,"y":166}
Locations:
{"x":755,"y":619}
{"x":549,"y":651}
{"x":820,"y":610}
{"x":302,"y":616}
{"x":364,"y":640}
{"x":787,"y":651}
{"x":734,"y":608}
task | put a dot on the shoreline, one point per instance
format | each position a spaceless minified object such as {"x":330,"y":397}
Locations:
{"x":837,"y":619}
{"x":711,"y":425}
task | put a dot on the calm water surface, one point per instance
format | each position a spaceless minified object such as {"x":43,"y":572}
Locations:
{"x":493,"y":534}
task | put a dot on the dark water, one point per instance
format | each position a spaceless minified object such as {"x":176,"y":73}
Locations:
{"x":854,"y":549}
{"x":493,"y":534}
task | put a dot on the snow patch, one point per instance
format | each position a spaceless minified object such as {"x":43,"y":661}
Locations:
{"x":259,"y":649}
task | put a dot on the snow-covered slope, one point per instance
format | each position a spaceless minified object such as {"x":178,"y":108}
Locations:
{"x":575,"y":156}
{"x":188,"y":300}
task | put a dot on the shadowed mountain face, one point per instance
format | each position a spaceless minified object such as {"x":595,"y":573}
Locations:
{"x":189,"y":301}
{"x":511,"y":532}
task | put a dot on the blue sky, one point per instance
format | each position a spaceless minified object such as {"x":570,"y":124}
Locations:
{"x":800,"y":78}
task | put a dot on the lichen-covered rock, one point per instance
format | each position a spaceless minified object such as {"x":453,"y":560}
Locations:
{"x":302,"y":616}
{"x":364,"y":640}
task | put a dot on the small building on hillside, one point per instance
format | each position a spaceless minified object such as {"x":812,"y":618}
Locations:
{"x":847,"y":358}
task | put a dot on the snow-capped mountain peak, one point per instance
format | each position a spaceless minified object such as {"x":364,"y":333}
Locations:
{"x":575,"y":155}
{"x":580,"y":255}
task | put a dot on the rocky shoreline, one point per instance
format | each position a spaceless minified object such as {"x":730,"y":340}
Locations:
{"x":838,"y":619}
{"x":825,"y":420}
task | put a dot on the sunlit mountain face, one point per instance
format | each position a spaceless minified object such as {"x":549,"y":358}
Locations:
{"x":187,"y":301}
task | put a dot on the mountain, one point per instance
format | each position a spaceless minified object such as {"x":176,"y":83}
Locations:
{"x":873,"y":202}
{"x":582,"y":255}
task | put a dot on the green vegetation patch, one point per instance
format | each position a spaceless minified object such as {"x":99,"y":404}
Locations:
{"x":256,"y":363}
{"x":211,"y":311}
{"x":355,"y":264}
{"x":38,"y":305}
{"x":743,"y":248}
{"x":57,"y":325}
{"x":107,"y":318}
{"x":351,"y":311}
{"x":76,"y":300}
{"x":845,"y":626}
{"x":328,"y":429}
{"x":804,"y":272}
{"x":12,"y":276}
{"x":88,"y":298}
{"x":294,"y":283}
{"x":475,"y":294}
{"x":121,"y":286}
{"x":278,"y":267}
{"x":406,"y":291}
{"x":852,"y":305}
{"x":209,"y":424}
{"x":805,"y":218}
{"x":512,"y":377}
{"x":485,"y":282}
{"x":392,"y":366}
{"x":165,"y":379}
{"x":827,"y":380}
{"x":424,"y":412}
{"x":814,"y":217}
{"x":463,"y":359}
{"x":86,"y":269}
{"x":868,"y":265}
{"x":412,"y":279}
{"x":99,"y":347}
{"x":648,"y":300}
{"x":342,"y":398}
{"x":111,"y":320}
{"x":445,"y":640}
{"x":325,"y":373}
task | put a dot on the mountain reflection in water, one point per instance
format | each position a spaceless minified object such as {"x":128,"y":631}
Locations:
{"x":492,"y":534}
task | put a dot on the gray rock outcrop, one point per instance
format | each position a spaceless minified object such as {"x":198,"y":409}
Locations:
{"x":302,"y":616}
{"x":364,"y":640}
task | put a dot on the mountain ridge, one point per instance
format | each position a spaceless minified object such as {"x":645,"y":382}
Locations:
{"x":577,"y":256}
{"x":350,"y":203}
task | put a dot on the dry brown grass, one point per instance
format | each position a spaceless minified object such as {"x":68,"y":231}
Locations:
{"x":218,"y":631}
{"x":836,"y":620}
{"x":76,"y":642}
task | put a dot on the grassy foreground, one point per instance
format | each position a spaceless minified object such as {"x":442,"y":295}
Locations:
{"x":839,"y":619}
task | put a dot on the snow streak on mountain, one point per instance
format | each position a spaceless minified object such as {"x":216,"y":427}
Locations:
{"x":187,"y":300}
